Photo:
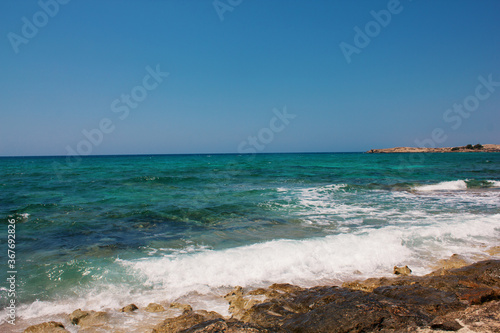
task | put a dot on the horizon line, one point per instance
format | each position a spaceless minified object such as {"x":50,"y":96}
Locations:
{"x":180,"y":154}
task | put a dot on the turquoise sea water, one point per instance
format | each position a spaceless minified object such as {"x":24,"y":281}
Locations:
{"x":107,"y":231}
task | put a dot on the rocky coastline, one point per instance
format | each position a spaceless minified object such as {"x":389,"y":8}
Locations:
{"x":487,"y":148}
{"x":456,"y":297}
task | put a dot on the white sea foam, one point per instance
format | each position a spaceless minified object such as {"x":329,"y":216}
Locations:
{"x":207,"y":274}
{"x":454,"y":185}
{"x":494,"y":183}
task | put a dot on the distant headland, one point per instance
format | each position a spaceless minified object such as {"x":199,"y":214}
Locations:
{"x":487,"y":148}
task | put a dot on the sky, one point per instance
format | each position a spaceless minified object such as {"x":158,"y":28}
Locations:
{"x":104,"y":77}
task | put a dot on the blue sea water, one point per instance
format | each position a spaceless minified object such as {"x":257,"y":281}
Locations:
{"x":102,"y":232}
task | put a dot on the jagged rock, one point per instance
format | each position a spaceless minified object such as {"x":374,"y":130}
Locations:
{"x":401,"y":303}
{"x":87,"y":319}
{"x":239,"y":303}
{"x":480,"y":318}
{"x":445,"y":325}
{"x":129,"y":308}
{"x":367,"y":285}
{"x":221,"y":325}
{"x":48,"y":327}
{"x":344,"y":310}
{"x":455,"y":261}
{"x":402,"y":270}
{"x":184,"y":307}
{"x":492,"y":251}
{"x":429,"y":300}
{"x":154,"y":307}
{"x":76,"y":315}
{"x":185,"y":321}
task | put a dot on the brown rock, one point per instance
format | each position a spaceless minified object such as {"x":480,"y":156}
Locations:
{"x":239,"y":303}
{"x":154,"y":307}
{"x":402,"y":270}
{"x":492,"y":251}
{"x":185,"y":321}
{"x":76,"y":315}
{"x":184,"y":307}
{"x":342,"y":310}
{"x":455,"y":261}
{"x":87,"y":319}
{"x":129,"y":308}
{"x":444,"y":324}
{"x":221,"y":325}
{"x":48,"y":327}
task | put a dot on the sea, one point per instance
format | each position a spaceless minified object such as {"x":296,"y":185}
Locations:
{"x":99,"y":233}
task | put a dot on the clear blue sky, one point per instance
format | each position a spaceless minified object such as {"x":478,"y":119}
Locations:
{"x":226,"y":76}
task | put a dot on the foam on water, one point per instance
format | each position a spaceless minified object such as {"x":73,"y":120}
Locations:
{"x":325,"y":260}
{"x":494,"y":183}
{"x":454,"y":185}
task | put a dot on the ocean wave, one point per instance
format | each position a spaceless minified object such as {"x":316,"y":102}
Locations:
{"x":454,"y":185}
{"x":458,"y":185}
{"x":209,"y":274}
{"x":318,"y":260}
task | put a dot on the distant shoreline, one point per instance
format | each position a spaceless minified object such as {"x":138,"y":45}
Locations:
{"x":487,"y":148}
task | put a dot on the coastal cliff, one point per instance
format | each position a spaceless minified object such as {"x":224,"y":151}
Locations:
{"x":488,"y":148}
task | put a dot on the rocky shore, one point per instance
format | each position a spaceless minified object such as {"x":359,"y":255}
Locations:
{"x":452,"y":298}
{"x":488,"y":148}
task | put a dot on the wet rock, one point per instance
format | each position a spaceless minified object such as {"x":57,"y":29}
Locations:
{"x":402,"y":270}
{"x":76,"y":315}
{"x":367,"y":285}
{"x":455,"y":261}
{"x":86,"y":319}
{"x":48,"y":327}
{"x":429,"y":300}
{"x":400,"y":303}
{"x":129,"y":308}
{"x":240,"y":303}
{"x":481,"y":318}
{"x":445,"y":324}
{"x":184,"y":307}
{"x":220,"y":325}
{"x":494,"y":250}
{"x":185,"y":321}
{"x":344,"y":310}
{"x":154,"y":307}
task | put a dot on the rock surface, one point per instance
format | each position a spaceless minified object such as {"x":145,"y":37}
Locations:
{"x":88,"y":319}
{"x":154,"y":307}
{"x":402,"y":270}
{"x":185,"y":321}
{"x":129,"y":308}
{"x":49,"y":327}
